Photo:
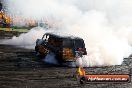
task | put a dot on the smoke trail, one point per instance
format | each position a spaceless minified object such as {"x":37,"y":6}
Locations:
{"x":26,"y":39}
{"x":50,"y":58}
{"x":105,"y":25}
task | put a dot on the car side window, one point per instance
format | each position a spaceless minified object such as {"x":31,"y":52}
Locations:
{"x":67,"y":43}
{"x":45,"y":37}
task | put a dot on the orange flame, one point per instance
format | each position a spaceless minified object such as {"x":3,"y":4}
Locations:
{"x":81,"y":71}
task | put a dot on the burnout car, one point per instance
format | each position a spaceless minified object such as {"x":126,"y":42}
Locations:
{"x":65,"y":48}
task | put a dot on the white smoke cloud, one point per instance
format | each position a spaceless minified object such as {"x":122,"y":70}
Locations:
{"x":26,"y":39}
{"x":105,"y":25}
{"x":50,"y":58}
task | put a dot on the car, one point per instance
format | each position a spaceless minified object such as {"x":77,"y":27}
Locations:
{"x":65,"y":48}
{"x":0,"y":6}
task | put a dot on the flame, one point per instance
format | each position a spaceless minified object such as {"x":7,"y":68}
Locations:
{"x":81,"y":71}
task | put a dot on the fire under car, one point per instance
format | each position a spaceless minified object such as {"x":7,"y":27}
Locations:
{"x":65,"y":48}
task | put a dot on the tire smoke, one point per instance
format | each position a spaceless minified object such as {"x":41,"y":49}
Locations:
{"x":105,"y":25}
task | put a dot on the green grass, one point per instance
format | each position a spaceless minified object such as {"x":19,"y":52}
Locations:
{"x":13,"y":29}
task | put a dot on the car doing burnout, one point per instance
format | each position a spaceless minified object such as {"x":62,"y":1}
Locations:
{"x":65,"y":48}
